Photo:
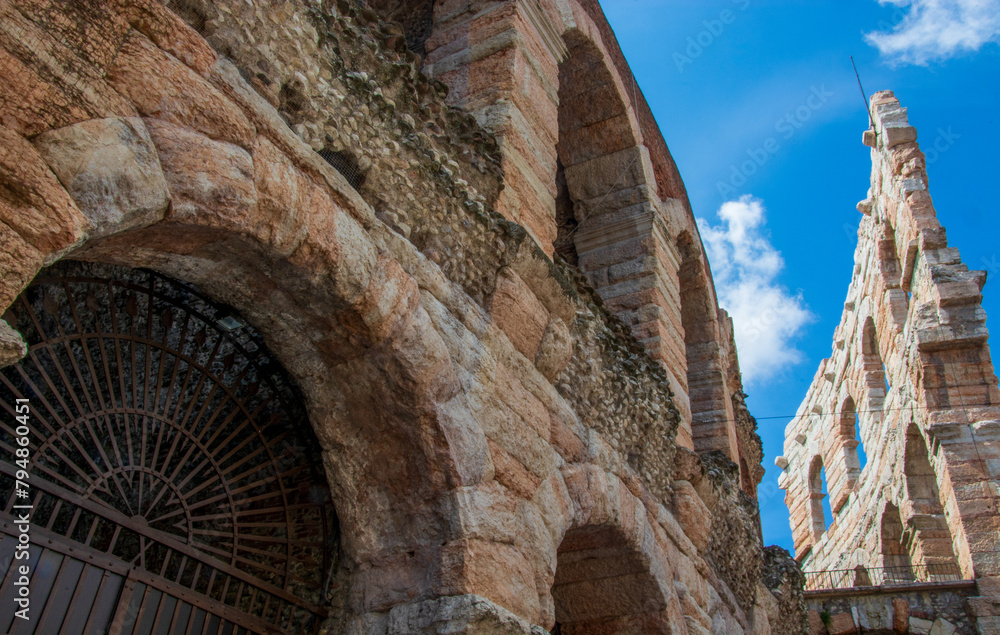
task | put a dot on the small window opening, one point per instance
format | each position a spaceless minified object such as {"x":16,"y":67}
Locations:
{"x":862,"y":457}
{"x":819,"y":501}
{"x":346,"y":164}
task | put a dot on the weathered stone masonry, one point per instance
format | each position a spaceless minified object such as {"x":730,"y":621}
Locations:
{"x":503,"y":453}
{"x":911,"y":363}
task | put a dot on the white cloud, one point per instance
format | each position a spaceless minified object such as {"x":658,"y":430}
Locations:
{"x":937,"y":29}
{"x":766,"y":317}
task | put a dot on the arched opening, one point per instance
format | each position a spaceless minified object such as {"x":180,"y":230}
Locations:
{"x":875,"y":376}
{"x":819,"y":502}
{"x":601,"y":582}
{"x":888,"y":256}
{"x":931,"y":546}
{"x":850,"y":435}
{"x":895,"y":554}
{"x":711,"y":428}
{"x":599,"y":167}
{"x":176,"y":482}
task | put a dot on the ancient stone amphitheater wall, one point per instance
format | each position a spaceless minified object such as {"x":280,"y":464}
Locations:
{"x":911,"y":371}
{"x":509,"y":441}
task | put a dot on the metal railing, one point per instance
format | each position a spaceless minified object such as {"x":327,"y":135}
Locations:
{"x":881,"y":576}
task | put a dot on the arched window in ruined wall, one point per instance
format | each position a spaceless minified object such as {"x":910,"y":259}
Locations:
{"x":932,"y":545}
{"x":711,"y":424}
{"x":606,"y":208}
{"x":888,"y":255}
{"x":895,"y":553}
{"x":817,"y":498}
{"x":851,"y":448}
{"x":598,"y":153}
{"x":876,"y":378}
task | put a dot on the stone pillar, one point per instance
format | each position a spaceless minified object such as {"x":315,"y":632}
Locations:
{"x":500,"y":61}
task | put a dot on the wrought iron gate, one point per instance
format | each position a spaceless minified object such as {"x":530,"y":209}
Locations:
{"x":174,"y":481}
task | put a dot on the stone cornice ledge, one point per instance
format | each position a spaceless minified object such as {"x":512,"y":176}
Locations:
{"x":546,"y":30}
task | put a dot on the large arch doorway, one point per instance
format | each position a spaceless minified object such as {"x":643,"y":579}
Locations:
{"x":174,"y":482}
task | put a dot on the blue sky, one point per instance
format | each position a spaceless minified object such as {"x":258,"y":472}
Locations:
{"x":732,"y":81}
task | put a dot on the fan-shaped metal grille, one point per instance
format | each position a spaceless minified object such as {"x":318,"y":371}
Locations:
{"x":165,"y":435}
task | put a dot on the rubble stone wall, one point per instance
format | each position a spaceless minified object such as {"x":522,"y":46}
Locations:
{"x":549,"y":80}
{"x":940,"y":609}
{"x":911,"y":365}
{"x":501,"y":449}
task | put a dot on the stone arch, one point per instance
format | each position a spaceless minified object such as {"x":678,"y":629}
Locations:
{"x":607,"y":207}
{"x":284,"y":242}
{"x":931,"y":545}
{"x":816,"y":479}
{"x":895,"y":553}
{"x":846,"y":473}
{"x":598,"y":157}
{"x":597,"y":136}
{"x":876,"y":378}
{"x":606,"y":578}
{"x":169,"y":412}
{"x":850,"y":434}
{"x":888,"y":255}
{"x":705,"y":378}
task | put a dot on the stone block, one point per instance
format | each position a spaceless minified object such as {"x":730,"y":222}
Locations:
{"x":988,"y":626}
{"x":900,"y":616}
{"x":211,"y":182}
{"x":688,"y":466}
{"x":110,"y":169}
{"x":169,"y":32}
{"x":518,"y":313}
{"x":510,"y":473}
{"x":455,"y":614}
{"x":288,"y":200}
{"x":597,"y":177}
{"x":692,"y":514}
{"x":565,"y":438}
{"x":920,"y":626}
{"x":489,"y":569}
{"x":12,"y":346}
{"x":38,"y":96}
{"x":32,"y":201}
{"x":555,"y":349}
{"x":895,"y":135}
{"x":815,"y":623}
{"x":942,"y":626}
{"x":983,"y":607}
{"x":511,"y":390}
{"x":19,"y":262}
{"x":160,"y":86}
{"x":842,"y":624}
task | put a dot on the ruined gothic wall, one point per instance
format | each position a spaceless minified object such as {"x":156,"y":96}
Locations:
{"x":490,"y":428}
{"x":911,"y":365}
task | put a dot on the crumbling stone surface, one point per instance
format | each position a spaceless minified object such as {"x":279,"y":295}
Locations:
{"x":499,"y":445}
{"x":12,"y":346}
{"x":783,"y":577}
{"x":734,"y":546}
{"x":911,"y":365}
{"x":931,"y":610}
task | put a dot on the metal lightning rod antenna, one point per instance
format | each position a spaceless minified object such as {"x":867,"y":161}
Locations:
{"x":871,"y":120}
